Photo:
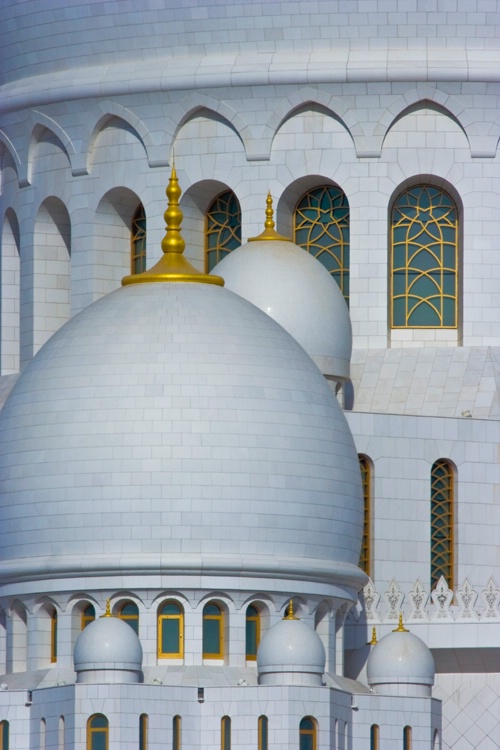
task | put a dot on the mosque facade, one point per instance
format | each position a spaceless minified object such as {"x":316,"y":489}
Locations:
{"x":249,"y":464}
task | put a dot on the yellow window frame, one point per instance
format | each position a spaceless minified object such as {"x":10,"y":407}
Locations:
{"x":180,"y":617}
{"x":220,"y":618}
{"x":91,"y":731}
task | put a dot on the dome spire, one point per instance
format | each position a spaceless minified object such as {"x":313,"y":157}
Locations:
{"x":269,"y":232}
{"x":173,"y":266}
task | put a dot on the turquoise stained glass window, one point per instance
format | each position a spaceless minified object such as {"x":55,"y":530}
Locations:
{"x":263,"y":730}
{"x":424,"y":263}
{"x":252,"y":632}
{"x":442,"y":480}
{"x":213,"y":642}
{"x":225,"y":733}
{"x":97,"y":733}
{"x":171,"y":631}
{"x":4,"y":735}
{"x":223,"y":228}
{"x":321,"y":226}
{"x":307,"y":734}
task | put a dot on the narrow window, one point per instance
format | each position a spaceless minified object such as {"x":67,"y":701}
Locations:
{"x":4,"y":735}
{"x":442,"y":480}
{"x":53,"y":637}
{"x":88,"y":615}
{"x":223,"y":228}
{"x":365,"y":554}
{"x":43,"y":734}
{"x":213,"y":632}
{"x":252,"y":632}
{"x":307,"y":733}
{"x":321,"y":227}
{"x":262,"y":728}
{"x":138,"y":241}
{"x":407,"y":738}
{"x":170,"y":631}
{"x":129,"y":613}
{"x":374,"y":737}
{"x":60,"y":739}
{"x":225,"y":733}
{"x":176,"y":733}
{"x":424,"y":259}
{"x":97,"y":732}
{"x":143,"y":732}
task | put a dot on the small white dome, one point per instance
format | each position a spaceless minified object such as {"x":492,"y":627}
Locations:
{"x":108,"y":645}
{"x":401,"y":659}
{"x":294,"y":289}
{"x":291,"y":653}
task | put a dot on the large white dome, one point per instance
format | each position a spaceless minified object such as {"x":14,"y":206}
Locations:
{"x":176,"y":430}
{"x":294,"y":288}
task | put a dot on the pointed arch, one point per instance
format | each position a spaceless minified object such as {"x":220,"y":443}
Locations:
{"x":196,"y":104}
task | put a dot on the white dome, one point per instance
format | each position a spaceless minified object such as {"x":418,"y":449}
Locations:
{"x":108,"y":645}
{"x":294,"y":288}
{"x":401,"y":659}
{"x":290,"y":652}
{"x":184,"y":413}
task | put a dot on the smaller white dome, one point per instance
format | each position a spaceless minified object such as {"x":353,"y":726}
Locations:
{"x":108,"y":649}
{"x":296,"y":290}
{"x":291,"y":653}
{"x":401,"y":664}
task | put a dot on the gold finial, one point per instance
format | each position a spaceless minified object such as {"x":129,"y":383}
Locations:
{"x":108,"y":609}
{"x":269,"y":232}
{"x":373,"y":641}
{"x":173,"y":266}
{"x":400,"y":628}
{"x":290,"y":615}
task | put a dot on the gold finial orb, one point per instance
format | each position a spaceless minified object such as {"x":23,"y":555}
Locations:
{"x":269,"y":232}
{"x":400,"y":628}
{"x":291,"y":614}
{"x":107,"y":613}
{"x":373,"y":641}
{"x":173,"y":266}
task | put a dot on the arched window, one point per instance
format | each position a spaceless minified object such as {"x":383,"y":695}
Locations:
{"x":424,"y":259}
{"x":407,"y":738}
{"x":129,"y":613}
{"x":53,"y":637}
{"x":60,"y":733}
{"x":4,"y":735}
{"x":307,"y":734}
{"x":138,"y":241}
{"x":252,"y":625}
{"x":88,"y":615}
{"x":374,"y":737}
{"x":176,"y":733}
{"x":170,"y":631}
{"x":442,"y":480}
{"x":321,"y":226}
{"x":143,"y":732}
{"x":97,"y":732}
{"x":43,"y":734}
{"x":365,"y":554}
{"x":262,"y":730}
{"x":213,"y":632}
{"x":225,"y":733}
{"x":223,"y":228}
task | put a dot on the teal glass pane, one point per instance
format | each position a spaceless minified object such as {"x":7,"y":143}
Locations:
{"x":223,"y":228}
{"x":251,"y":638}
{"x":306,"y":742}
{"x":176,"y":733}
{"x":99,"y":740}
{"x":129,"y":609}
{"x":5,"y":735}
{"x":226,"y":733}
{"x":211,"y":637}
{"x":170,"y":636}
{"x":89,"y":611}
{"x":321,"y":226}
{"x":263,"y":723}
{"x":424,"y":259}
{"x":99,"y":722}
{"x":307,"y":724}
{"x":211,"y":609}
{"x":171,"y":609}
{"x":54,"y":635}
